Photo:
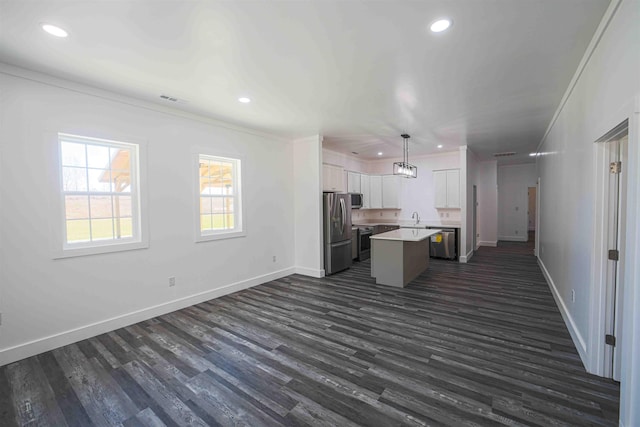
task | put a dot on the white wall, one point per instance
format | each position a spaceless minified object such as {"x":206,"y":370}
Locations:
{"x":606,"y":92}
{"x":45,"y":302}
{"x":487,"y":182}
{"x":513,"y":183}
{"x":307,"y":171}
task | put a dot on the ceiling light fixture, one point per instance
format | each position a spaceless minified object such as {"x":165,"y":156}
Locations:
{"x":404,"y":168}
{"x":379,"y":153}
{"x":440,"y":25}
{"x":244,"y":100}
{"x":533,"y":154}
{"x":54,"y":31}
{"x":439,"y":145}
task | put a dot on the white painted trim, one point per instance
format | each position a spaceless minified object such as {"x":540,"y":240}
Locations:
{"x":466,"y":258}
{"x":311,"y":272}
{"x":593,"y":44}
{"x":107,"y":95}
{"x":513,"y":238}
{"x":493,"y":243}
{"x":577,"y":338}
{"x":31,"y":348}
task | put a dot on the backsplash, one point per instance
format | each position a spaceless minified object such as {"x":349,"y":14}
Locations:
{"x":397,"y":214}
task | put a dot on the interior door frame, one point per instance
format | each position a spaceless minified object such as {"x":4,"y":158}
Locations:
{"x":600,"y":357}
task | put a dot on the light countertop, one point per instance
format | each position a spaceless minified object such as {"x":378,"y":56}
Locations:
{"x":405,"y":234}
{"x":410,"y":223}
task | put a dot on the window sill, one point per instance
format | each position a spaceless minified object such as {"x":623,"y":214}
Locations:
{"x":220,"y":236}
{"x":97,"y":250}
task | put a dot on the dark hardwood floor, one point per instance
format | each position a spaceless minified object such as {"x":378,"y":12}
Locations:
{"x":465,"y":344}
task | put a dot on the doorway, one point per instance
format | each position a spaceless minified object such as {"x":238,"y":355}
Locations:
{"x":612,"y":181}
{"x":475,"y":218}
{"x":531,"y":213}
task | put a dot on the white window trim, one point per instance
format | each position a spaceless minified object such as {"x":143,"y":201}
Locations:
{"x":238,"y":200}
{"x":61,"y":248}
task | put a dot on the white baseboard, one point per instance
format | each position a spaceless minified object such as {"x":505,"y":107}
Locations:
{"x":31,"y":348}
{"x":488,"y":243}
{"x":513,"y":238}
{"x":576,"y":336}
{"x":465,"y":258}
{"x":312,"y":272}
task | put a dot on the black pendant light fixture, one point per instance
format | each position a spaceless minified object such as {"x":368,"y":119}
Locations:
{"x":404,"y":168}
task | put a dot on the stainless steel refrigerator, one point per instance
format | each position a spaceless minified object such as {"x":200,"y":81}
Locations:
{"x":337,"y":232}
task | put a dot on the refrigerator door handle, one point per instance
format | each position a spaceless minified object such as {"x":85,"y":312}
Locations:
{"x":343,"y":214}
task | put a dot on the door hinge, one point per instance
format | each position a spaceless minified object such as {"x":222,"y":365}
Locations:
{"x":615,"y":167}
{"x":614,"y":255}
{"x":610,"y":340}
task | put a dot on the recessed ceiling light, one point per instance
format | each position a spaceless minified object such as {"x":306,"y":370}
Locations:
{"x":379,"y":153}
{"x":244,"y":100}
{"x":439,"y":145}
{"x":54,"y":31}
{"x":440,"y":25}
{"x":533,"y":154}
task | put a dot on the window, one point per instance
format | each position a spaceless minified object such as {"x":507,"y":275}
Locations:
{"x":100,"y":194}
{"x":219,"y":201}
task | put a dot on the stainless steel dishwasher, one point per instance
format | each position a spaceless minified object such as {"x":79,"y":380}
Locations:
{"x":443,"y":244}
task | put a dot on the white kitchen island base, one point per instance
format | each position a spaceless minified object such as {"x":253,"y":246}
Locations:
{"x":399,"y":256}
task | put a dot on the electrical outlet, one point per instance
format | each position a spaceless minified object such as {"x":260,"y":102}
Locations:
{"x":573,"y":295}
{"x":172,"y":281}
{"x":441,"y":215}
{"x":395,"y":214}
{"x":274,"y":258}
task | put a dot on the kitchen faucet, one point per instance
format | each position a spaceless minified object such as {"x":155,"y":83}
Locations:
{"x":416,"y":216}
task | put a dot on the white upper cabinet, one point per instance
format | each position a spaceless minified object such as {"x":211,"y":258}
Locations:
{"x":391,"y":191}
{"x":453,"y":188}
{"x":332,"y":178}
{"x":375,"y":189}
{"x":353,"y":182}
{"x":447,"y":188}
{"x":365,"y":189}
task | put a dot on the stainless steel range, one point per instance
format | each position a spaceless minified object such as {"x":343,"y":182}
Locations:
{"x":364,"y":242}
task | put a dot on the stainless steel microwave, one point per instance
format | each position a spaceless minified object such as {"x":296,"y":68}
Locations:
{"x":356,"y":200}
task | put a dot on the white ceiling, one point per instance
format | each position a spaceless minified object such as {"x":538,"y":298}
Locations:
{"x":358,"y":72}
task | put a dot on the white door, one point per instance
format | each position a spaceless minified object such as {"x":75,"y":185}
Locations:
{"x":615,"y":264}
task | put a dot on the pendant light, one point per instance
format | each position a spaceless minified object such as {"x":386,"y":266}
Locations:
{"x":403,"y":168}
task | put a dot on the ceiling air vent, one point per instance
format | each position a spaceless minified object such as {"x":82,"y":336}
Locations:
{"x":169,"y":98}
{"x":505,"y":154}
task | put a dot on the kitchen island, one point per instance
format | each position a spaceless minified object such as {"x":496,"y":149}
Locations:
{"x":399,"y":256}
